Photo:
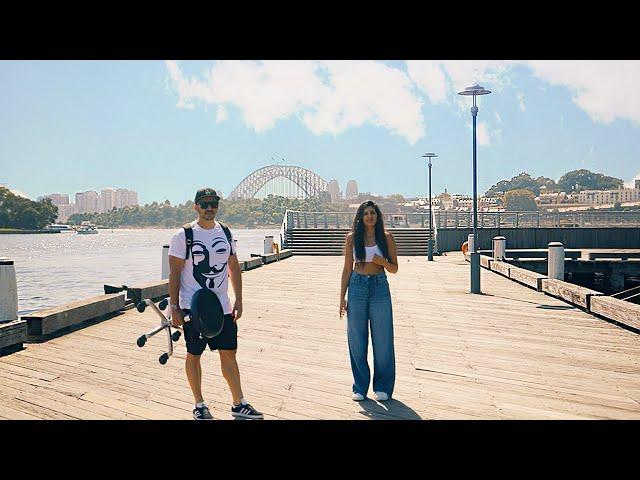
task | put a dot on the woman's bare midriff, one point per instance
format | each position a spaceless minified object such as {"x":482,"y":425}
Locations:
{"x":367,"y":268}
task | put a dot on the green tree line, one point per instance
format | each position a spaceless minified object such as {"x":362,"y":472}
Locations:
{"x":236,"y":213}
{"x":573,"y":181}
{"x":22,"y":213}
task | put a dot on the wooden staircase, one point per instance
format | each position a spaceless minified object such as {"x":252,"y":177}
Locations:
{"x":330,"y":241}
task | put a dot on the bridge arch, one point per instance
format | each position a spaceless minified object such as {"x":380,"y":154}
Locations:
{"x":309,"y":182}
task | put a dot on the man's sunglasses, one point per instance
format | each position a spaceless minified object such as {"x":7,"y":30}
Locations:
{"x":208,"y":203}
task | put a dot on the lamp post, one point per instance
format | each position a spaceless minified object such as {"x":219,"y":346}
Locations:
{"x":430,"y":241}
{"x":475,"y":90}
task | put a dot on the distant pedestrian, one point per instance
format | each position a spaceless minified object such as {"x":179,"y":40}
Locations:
{"x":202,"y":255}
{"x":369,"y":251}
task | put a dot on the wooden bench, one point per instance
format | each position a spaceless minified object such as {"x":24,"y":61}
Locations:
{"x":526,"y":277}
{"x":619,"y":310}
{"x":13,"y":334}
{"x":251,"y":264}
{"x":500,"y":267}
{"x":44,"y":322}
{"x":155,"y":290}
{"x":569,"y":292}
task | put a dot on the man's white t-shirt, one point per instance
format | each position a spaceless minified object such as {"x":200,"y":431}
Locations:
{"x":206,"y":266}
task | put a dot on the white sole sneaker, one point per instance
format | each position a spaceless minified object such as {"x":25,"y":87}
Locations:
{"x":357,"y":397}
{"x":380,"y":396}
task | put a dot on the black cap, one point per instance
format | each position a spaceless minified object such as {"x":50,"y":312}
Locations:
{"x":205,"y":192}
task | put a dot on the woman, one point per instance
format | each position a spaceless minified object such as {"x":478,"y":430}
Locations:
{"x":372,"y":250}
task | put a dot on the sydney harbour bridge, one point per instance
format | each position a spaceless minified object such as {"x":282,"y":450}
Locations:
{"x":285,"y":180}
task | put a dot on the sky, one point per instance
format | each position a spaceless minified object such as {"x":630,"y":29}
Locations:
{"x":166,"y":128}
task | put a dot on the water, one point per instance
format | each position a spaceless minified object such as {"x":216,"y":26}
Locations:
{"x":54,"y":269}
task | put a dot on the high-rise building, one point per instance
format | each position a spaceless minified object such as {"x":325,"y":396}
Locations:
{"x":352,"y":190}
{"x":87,"y":202}
{"x":58,"y":198}
{"x":334,"y":190}
{"x":638,"y":184}
{"x":107,"y":199}
{"x":126,"y":198}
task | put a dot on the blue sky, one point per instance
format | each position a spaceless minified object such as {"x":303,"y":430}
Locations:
{"x":166,"y":128}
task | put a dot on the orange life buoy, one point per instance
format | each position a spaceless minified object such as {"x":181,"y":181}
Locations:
{"x":465,"y":247}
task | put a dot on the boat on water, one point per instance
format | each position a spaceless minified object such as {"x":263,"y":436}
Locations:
{"x":62,"y":228}
{"x":87,"y":230}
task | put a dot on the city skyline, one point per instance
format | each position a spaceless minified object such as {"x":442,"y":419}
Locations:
{"x":90,"y":201}
{"x":166,"y":128}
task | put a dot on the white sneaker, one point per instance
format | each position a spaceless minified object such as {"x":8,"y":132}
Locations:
{"x":357,"y":397}
{"x":380,"y":396}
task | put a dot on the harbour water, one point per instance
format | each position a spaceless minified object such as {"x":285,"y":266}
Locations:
{"x":54,"y":269}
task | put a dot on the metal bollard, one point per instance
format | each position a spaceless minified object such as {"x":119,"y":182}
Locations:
{"x":499,"y":248}
{"x":165,"y":262}
{"x":268,"y":244}
{"x":555,"y":261}
{"x":471,"y":243}
{"x":8,"y":291}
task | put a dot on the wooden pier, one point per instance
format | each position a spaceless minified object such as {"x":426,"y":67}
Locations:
{"x":510,"y":353}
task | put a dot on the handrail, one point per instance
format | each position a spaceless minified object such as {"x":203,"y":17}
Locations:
{"x":283,"y":228}
{"x":435,"y":231}
{"x":445,"y":219}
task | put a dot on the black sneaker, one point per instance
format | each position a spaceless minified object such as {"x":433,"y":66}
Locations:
{"x":245,"y":411}
{"x":202,"y":413}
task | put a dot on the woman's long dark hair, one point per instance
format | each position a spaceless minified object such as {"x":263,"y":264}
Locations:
{"x":358,"y":232}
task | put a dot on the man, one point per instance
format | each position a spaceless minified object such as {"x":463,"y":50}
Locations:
{"x":208,"y":263}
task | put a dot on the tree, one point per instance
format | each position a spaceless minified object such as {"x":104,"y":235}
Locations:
{"x":520,"y":200}
{"x":549,"y":184}
{"x":521,"y":181}
{"x":18,"y":212}
{"x":588,"y":180}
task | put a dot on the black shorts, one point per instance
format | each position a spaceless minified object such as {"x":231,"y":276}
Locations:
{"x":226,"y":340}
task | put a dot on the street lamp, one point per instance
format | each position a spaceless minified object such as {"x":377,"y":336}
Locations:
{"x":475,"y":258}
{"x":430,"y":244}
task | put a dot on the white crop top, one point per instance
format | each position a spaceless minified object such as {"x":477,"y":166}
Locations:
{"x":369,"y":253}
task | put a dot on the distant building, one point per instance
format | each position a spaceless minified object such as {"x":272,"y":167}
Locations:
{"x":552,"y":198}
{"x":334,"y":190}
{"x":446,"y":200}
{"x":87,"y":202}
{"x":638,"y":184}
{"x":352,"y":190}
{"x":126,"y":198}
{"x":609,"y":197}
{"x":107,"y":199}
{"x":58,"y":199}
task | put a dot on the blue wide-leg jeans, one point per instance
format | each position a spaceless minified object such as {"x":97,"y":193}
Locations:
{"x":369,"y":304}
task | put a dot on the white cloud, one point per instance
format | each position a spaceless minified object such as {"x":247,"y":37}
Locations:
{"x":484,"y":139}
{"x":604,"y":89}
{"x":367,"y":92}
{"x":482,"y":134}
{"x":330,"y":97}
{"x":428,"y":77}
{"x":221,"y":114}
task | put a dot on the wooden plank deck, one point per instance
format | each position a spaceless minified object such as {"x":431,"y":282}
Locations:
{"x":511,"y":353}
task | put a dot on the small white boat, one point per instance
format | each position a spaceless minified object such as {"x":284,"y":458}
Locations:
{"x":61,"y":227}
{"x":87,"y":230}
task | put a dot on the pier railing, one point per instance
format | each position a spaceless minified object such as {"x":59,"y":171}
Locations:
{"x":444,"y":219}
